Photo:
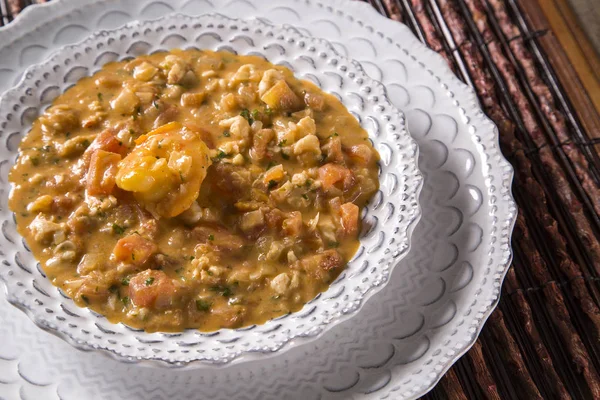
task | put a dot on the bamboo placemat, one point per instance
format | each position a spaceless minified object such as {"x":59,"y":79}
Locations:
{"x":537,"y":77}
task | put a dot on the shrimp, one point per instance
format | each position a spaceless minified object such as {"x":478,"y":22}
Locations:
{"x":165,"y":169}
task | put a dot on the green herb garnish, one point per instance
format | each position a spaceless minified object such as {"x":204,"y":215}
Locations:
{"x":125,"y":281}
{"x":118,"y":229}
{"x":224,"y":291}
{"x":202,"y":305}
{"x":211,"y":237}
{"x":150,"y":281}
{"x":227,"y":134}
{"x":246,"y":114}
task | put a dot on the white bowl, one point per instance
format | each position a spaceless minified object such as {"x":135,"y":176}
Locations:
{"x":391,"y":215}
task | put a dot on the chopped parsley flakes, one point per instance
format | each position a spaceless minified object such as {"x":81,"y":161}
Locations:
{"x":224,"y":291}
{"x":119,"y":230}
{"x":203,"y":305}
{"x":246,"y":114}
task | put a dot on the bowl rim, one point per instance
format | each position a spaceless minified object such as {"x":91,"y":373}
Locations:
{"x":299,"y":338}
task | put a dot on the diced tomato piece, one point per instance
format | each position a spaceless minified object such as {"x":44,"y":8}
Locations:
{"x":102,"y":172}
{"x":349,"y":214}
{"x":330,"y":174}
{"x":134,"y":249}
{"x":333,"y":149}
{"x":292,"y":225}
{"x":274,"y":174}
{"x":152,"y":289}
{"x":107,"y":141}
{"x":360,"y":154}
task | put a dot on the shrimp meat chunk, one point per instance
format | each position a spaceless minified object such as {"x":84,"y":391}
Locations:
{"x":165,"y":169}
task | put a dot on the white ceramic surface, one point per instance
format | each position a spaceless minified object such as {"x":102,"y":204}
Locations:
{"x":389,"y":218}
{"x":398,"y":346}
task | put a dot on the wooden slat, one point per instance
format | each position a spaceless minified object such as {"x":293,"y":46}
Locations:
{"x":572,"y":56}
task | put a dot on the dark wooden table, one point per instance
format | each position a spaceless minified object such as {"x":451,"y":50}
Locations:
{"x":537,"y":77}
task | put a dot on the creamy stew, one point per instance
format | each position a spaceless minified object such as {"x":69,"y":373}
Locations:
{"x":193,"y":189}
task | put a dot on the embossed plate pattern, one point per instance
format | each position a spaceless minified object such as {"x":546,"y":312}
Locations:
{"x":437,"y":299}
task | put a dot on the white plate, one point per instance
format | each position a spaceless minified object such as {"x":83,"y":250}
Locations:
{"x":389,"y":218}
{"x":461,"y":246}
